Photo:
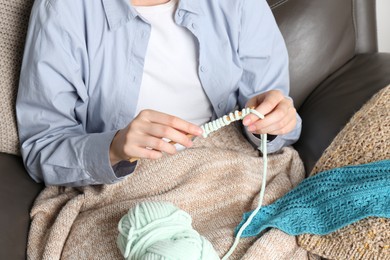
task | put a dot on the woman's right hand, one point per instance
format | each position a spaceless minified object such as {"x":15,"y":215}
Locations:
{"x":142,"y":138}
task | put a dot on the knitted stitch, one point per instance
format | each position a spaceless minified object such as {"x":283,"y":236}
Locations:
{"x":159,"y":230}
{"x":161,"y":225}
{"x":328,"y":201}
{"x":215,"y":181}
{"x":14,"y":17}
{"x":364,"y":139}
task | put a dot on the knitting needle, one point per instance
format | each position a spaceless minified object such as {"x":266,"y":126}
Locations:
{"x":188,"y":135}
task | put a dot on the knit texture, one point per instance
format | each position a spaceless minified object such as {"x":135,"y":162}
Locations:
{"x":215,"y":181}
{"x":14,"y":15}
{"x":365,"y":139}
{"x":328,"y":201}
{"x":157,"y":230}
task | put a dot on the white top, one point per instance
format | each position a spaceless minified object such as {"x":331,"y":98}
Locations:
{"x":170,"y":81}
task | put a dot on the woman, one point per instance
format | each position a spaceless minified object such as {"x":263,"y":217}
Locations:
{"x":105,"y":81}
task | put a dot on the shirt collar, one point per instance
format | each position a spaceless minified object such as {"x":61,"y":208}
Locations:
{"x":192,"y":6}
{"x":119,"y":12}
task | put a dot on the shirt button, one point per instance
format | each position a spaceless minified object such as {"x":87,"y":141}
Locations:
{"x":193,"y":25}
{"x":180,"y":13}
{"x":221,"y":105}
{"x":134,"y":78}
{"x":143,"y":33}
{"x":203,"y":69}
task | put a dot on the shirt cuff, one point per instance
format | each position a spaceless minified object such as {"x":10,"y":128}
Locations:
{"x":96,"y":159}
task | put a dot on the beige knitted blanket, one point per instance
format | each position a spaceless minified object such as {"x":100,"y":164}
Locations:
{"x":216,"y":181}
{"x":366,"y":138}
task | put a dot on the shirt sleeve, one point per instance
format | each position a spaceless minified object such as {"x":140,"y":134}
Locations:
{"x":52,"y":107}
{"x":264,"y":58}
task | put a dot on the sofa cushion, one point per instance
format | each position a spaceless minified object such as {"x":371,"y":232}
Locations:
{"x":17,"y":193}
{"x":326,"y":111}
{"x":14,"y":21}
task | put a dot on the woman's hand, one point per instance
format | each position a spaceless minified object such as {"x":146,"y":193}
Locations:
{"x":280,"y":114}
{"x":142,"y":138}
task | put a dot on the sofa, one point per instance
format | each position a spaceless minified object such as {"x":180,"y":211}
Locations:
{"x":335,"y":68}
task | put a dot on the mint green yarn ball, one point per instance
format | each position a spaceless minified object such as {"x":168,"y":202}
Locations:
{"x":160,"y":230}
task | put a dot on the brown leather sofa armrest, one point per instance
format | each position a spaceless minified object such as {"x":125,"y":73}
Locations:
{"x":17,"y":194}
{"x":331,"y":105}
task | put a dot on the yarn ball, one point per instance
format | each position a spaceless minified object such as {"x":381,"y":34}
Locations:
{"x":160,"y":230}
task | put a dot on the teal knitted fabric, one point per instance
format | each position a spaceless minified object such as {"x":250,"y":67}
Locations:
{"x":328,"y":201}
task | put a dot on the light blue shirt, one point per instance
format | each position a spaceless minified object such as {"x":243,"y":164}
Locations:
{"x":83,"y":66}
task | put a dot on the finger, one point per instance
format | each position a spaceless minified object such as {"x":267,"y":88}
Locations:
{"x":253,"y":103}
{"x":271,"y":100}
{"x":265,"y":104}
{"x":172,"y":121}
{"x":275,"y":117}
{"x":144,"y":153}
{"x":285,"y":130}
{"x":141,"y":145}
{"x":163,"y":131}
{"x":276,"y":123}
{"x":149,"y":143}
{"x":282,"y":127}
{"x":159,"y":144}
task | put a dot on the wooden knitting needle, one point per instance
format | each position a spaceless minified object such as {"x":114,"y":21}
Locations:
{"x":188,"y":135}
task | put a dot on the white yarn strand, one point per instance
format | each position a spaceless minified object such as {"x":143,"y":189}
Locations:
{"x":224,"y":121}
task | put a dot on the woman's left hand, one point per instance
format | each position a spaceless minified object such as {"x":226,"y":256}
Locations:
{"x":279,"y":111}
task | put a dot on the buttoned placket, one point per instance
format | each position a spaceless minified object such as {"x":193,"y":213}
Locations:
{"x":140,"y":33}
{"x":190,"y":21}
